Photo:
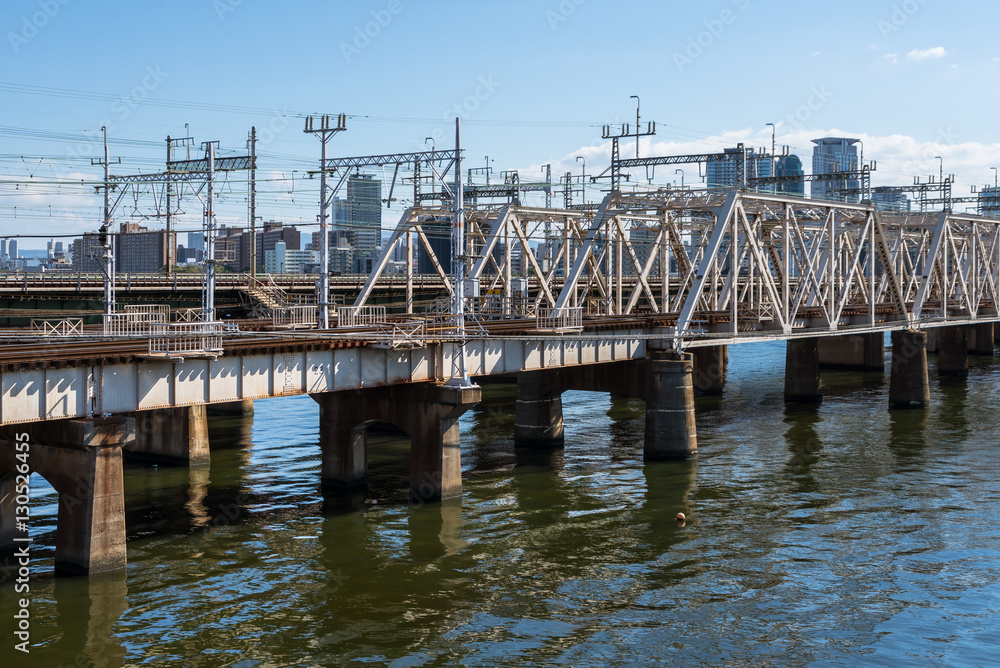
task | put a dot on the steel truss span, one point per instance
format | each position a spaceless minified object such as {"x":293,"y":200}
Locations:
{"x":721,"y":266}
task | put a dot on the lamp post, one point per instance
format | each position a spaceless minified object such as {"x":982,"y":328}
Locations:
{"x":583,"y":177}
{"x":994,"y":179}
{"x":636,"y":124}
{"x":940,"y":168}
{"x":681,"y":172}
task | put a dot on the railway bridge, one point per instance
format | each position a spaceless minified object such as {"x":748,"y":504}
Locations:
{"x":641,"y":296}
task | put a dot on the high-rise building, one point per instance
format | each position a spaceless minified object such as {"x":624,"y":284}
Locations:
{"x":87,"y":253}
{"x":790,"y":165}
{"x":890,"y":199}
{"x":438,"y":234}
{"x":725,"y":173}
{"x":12,"y":249}
{"x":364,"y":213}
{"x":831,"y":155}
{"x":272,"y":233}
{"x":141,"y":250}
{"x":3,"y":249}
{"x":196,"y":241}
{"x":989,"y":202}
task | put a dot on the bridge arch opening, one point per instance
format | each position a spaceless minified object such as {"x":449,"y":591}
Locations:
{"x":387,"y":451}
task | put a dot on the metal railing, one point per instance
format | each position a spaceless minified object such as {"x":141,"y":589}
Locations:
{"x":176,"y":339}
{"x":401,"y":333}
{"x":568,"y":318}
{"x":358,"y":316}
{"x":67,"y":327}
{"x":303,"y":315}
{"x":152,"y":312}
{"x":134,"y":322}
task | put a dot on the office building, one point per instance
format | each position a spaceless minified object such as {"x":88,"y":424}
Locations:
{"x":87,"y":253}
{"x":890,"y":199}
{"x":831,"y":155}
{"x":364,"y":213}
{"x":725,"y":173}
{"x":791,"y":166}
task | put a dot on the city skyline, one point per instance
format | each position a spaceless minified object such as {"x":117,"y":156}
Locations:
{"x":851,"y":79}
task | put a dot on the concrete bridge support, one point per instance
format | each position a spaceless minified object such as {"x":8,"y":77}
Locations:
{"x":427,"y":412}
{"x":171,"y":435}
{"x":802,"y":378}
{"x":709,"y":369}
{"x":953,"y":350}
{"x":538,"y":420}
{"x":231,"y":408}
{"x":980,"y":338}
{"x":670,"y":425}
{"x":855,"y":352}
{"x":664,"y":381}
{"x":909,"y":385}
{"x":82,"y":460}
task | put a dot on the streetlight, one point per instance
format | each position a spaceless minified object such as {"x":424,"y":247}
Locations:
{"x":681,"y":172}
{"x":773,"y":130}
{"x":487,"y":169}
{"x":583,"y":177}
{"x":994,"y":180}
{"x":941,"y":167}
{"x":636,"y":124}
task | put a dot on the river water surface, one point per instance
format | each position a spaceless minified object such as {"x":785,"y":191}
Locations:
{"x":844,"y":535}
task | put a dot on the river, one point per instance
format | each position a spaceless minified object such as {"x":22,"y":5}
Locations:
{"x":839,"y":535}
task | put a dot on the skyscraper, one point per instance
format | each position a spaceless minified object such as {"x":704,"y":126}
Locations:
{"x":835,"y":154}
{"x":725,"y":173}
{"x":364,"y":213}
{"x":790,"y":165}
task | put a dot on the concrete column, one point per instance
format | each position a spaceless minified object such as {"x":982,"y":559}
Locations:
{"x":82,"y":460}
{"x":538,"y":419}
{"x":709,"y":369}
{"x":171,"y":435}
{"x":670,"y":424}
{"x":802,"y":378}
{"x":860,"y":352}
{"x":342,"y":444}
{"x":909,"y":386}
{"x":428,"y":413}
{"x":953,"y":350}
{"x":980,"y":338}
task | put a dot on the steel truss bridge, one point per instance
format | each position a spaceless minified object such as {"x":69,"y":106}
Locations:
{"x":721,"y":266}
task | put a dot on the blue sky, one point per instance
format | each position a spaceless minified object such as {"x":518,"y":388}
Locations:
{"x":533,"y":82}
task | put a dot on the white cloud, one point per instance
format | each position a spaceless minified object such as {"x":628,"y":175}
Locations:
{"x":924,"y":54}
{"x":892,"y":57}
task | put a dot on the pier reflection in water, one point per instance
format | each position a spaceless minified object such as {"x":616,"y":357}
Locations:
{"x":838,"y":533}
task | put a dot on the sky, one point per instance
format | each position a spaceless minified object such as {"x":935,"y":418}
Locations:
{"x":533,"y":82}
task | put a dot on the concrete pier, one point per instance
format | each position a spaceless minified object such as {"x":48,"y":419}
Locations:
{"x":953,"y":350}
{"x":802,"y":379}
{"x":171,"y":435}
{"x":909,"y":385}
{"x":82,"y":460}
{"x":980,"y":338}
{"x":670,"y":424}
{"x":428,"y":413}
{"x":709,"y":369}
{"x":538,"y":420}
{"x":856,"y":352}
